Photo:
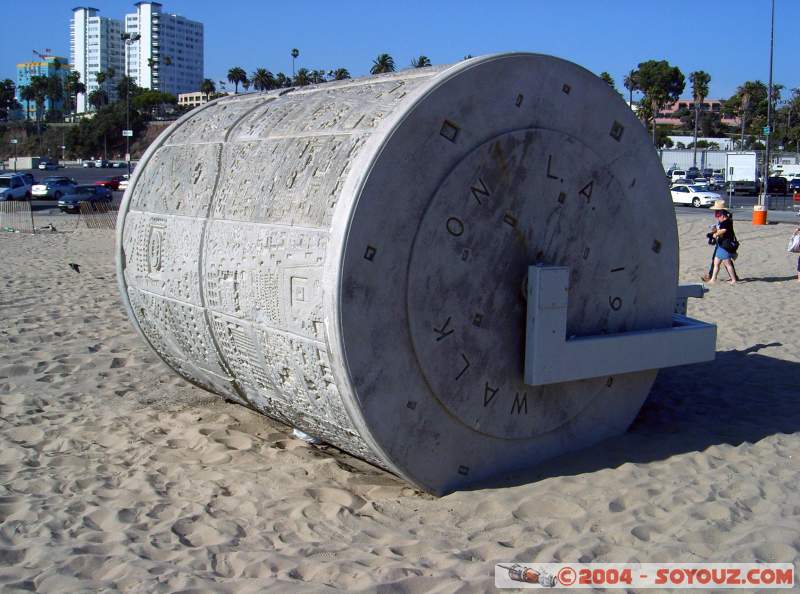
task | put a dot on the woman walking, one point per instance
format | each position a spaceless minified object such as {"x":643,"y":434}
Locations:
{"x":727,"y":244}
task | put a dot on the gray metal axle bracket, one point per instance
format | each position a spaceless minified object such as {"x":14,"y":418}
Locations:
{"x":551,"y":357}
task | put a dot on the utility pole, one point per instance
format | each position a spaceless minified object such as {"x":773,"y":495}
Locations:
{"x":764,"y":198}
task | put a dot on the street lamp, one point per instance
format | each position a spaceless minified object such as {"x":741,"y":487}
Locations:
{"x":763,"y":199}
{"x":129,"y":39}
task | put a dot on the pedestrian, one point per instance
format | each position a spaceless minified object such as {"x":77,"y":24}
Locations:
{"x":727,"y":244}
{"x":794,"y":248}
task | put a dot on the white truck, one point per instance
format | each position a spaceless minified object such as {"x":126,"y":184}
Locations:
{"x":741,"y":172}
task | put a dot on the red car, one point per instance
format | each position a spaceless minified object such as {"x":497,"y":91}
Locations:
{"x":112,"y":183}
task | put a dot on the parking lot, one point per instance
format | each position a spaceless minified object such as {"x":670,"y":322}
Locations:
{"x":82,"y":175}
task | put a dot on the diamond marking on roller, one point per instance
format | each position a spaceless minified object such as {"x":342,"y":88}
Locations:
{"x":616,"y":131}
{"x":449,"y":130}
{"x":566,"y":89}
{"x":370,"y":253}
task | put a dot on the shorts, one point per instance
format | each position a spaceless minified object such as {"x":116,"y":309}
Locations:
{"x":723,"y":254}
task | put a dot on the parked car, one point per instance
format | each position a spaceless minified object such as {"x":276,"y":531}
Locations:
{"x":100,"y":163}
{"x":777,"y":185}
{"x":13,"y":187}
{"x":48,"y":165}
{"x":701,"y":181}
{"x":112,"y":183}
{"x":88,"y":163}
{"x":678,"y":174}
{"x":697,"y":196}
{"x":53,"y":187}
{"x":123,"y":185}
{"x":692,"y":172}
{"x":707,"y":172}
{"x":794,"y":184}
{"x":71,"y":202}
{"x":119,"y":164}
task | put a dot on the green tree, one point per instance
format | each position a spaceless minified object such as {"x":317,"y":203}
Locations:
{"x":631,"y":83}
{"x":151,"y":104}
{"x":207,"y":87}
{"x":421,"y":62}
{"x":608,"y":79}
{"x":302,"y":78}
{"x":54,"y":92}
{"x":317,"y":77}
{"x":98,"y":98}
{"x":339,"y":74}
{"x":8,"y":100}
{"x":661,"y":84}
{"x":263,"y":80}
{"x":127,"y":85}
{"x":282,"y":81}
{"x":750,"y":104}
{"x":236,"y":75}
{"x":382,"y":64}
{"x":700,"y":81}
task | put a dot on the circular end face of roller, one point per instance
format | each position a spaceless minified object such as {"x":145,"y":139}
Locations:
{"x":502,"y":163}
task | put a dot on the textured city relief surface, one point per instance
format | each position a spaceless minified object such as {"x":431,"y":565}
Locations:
{"x":225,"y":242}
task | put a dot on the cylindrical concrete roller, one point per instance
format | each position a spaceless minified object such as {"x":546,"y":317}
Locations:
{"x":351,"y":258}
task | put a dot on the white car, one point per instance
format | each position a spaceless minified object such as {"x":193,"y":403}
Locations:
{"x":13,"y":187}
{"x":123,"y":185}
{"x":697,"y":196}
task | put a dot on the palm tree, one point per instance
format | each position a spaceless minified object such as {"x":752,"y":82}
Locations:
{"x":302,"y":78}
{"x":339,"y":74}
{"x":631,"y":82}
{"x":28,"y":95}
{"x":207,"y":87}
{"x":317,"y":76}
{"x":53,"y":91}
{"x":237,"y":75}
{"x":699,"y":80}
{"x":295,"y":53}
{"x":382,"y":64}
{"x":263,"y":80}
{"x":282,"y":81}
{"x":421,"y":62}
{"x":246,"y":84}
{"x":98,"y":98}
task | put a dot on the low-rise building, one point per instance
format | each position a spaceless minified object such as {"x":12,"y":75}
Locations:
{"x":192,"y":99}
{"x":44,"y":66}
{"x":669,"y":115}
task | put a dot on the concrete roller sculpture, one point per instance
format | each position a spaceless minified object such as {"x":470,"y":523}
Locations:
{"x":351,"y":258}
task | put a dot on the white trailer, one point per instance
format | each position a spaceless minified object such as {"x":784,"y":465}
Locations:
{"x":787,"y":171}
{"x":741,"y":170}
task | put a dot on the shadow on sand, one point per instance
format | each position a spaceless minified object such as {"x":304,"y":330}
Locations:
{"x":740,"y":397}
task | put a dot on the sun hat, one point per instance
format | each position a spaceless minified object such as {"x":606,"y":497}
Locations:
{"x":719,"y":205}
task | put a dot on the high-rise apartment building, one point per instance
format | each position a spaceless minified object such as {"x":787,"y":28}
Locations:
{"x":96,"y":46}
{"x":168,"y":54}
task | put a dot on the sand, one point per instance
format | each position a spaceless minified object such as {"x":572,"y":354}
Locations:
{"x":116,"y":475}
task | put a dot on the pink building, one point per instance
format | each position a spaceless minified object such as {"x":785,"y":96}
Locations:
{"x":669,"y":115}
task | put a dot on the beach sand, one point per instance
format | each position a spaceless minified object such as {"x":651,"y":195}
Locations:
{"x":115,"y":474}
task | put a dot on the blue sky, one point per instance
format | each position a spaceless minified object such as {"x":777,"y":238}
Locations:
{"x":727,"y":38}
